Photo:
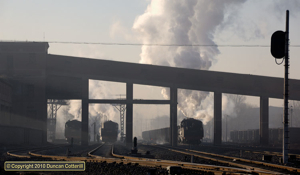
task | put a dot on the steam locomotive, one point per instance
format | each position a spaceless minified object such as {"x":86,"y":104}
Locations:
{"x":109,"y":132}
{"x":73,"y":130}
{"x":190,"y":131}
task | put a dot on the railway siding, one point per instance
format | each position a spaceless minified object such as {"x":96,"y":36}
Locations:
{"x":292,"y":169}
{"x":237,"y":161}
{"x":157,"y":163}
{"x":185,"y":165}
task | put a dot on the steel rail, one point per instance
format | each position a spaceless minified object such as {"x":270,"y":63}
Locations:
{"x":256,"y":170}
{"x":186,"y":165}
{"x":145,"y":162}
{"x":254,"y":151}
{"x":291,"y":169}
{"x":272,"y":153}
{"x":10,"y":153}
{"x":17,"y":155}
{"x":94,"y":150}
{"x":64,"y":157}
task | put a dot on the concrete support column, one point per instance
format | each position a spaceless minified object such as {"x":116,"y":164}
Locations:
{"x":129,"y":109}
{"x":45,"y":120}
{"x":217,"y":118}
{"x":264,"y":121}
{"x":173,"y":117}
{"x":85,"y":113}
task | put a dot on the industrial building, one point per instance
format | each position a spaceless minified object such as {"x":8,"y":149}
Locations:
{"x":22,"y":70}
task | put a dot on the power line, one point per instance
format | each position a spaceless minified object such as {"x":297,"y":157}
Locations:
{"x":155,"y":44}
{"x":151,"y":44}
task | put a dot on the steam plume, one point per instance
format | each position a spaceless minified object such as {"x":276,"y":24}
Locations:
{"x":183,"y":22}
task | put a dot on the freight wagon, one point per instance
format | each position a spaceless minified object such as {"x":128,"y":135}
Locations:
{"x":275,"y":136}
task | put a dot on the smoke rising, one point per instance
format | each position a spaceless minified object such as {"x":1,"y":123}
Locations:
{"x":178,"y":22}
{"x":105,"y":90}
{"x":75,"y":109}
{"x":62,"y":117}
{"x":175,"y":22}
{"x":98,"y":113}
{"x":184,"y":22}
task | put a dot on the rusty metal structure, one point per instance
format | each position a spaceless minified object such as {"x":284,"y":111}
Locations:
{"x":53,"y":107}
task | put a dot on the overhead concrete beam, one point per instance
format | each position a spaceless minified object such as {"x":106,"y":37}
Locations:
{"x":113,"y":101}
{"x":202,"y":80}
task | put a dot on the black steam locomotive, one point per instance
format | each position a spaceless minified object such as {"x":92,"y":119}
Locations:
{"x":190,"y":131}
{"x":109,"y":132}
{"x":73,"y":130}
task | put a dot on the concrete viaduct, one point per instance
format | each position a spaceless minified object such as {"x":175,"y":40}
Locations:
{"x":66,"y":77}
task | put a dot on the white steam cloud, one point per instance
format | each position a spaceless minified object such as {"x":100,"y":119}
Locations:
{"x":98,"y":113}
{"x":75,"y":109}
{"x":184,"y":22}
{"x":98,"y":90}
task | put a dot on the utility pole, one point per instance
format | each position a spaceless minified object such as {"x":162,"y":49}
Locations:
{"x":280,"y":49}
{"x":286,"y":93}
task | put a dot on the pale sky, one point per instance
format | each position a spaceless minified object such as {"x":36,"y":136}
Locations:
{"x":117,"y":21}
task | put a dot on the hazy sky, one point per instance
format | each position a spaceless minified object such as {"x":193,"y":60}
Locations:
{"x":132,"y":21}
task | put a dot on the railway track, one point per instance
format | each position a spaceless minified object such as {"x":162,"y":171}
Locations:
{"x":95,"y":155}
{"x":185,"y":165}
{"x":255,"y":150}
{"x":256,"y":166}
{"x":271,"y":153}
{"x":24,"y":152}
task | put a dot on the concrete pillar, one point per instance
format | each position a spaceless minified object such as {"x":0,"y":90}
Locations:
{"x":217,"y":118}
{"x":129,"y":109}
{"x":45,"y":119}
{"x":173,"y":117}
{"x":264,"y":121}
{"x":85,"y":113}
{"x":40,"y":103}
